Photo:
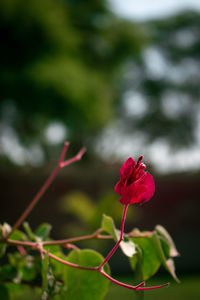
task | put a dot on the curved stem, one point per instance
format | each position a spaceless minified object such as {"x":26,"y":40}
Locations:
{"x":121,"y":238}
{"x":131,"y":287}
{"x":38,"y":247}
{"x":152,"y":287}
{"x":101,"y":271}
{"x":69,"y":264}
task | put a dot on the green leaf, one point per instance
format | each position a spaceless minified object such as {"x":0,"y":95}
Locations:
{"x":43,"y":231}
{"x":136,"y":264}
{"x":4,"y":294}
{"x":7,"y":272}
{"x":107,"y":224}
{"x":165,"y":247}
{"x":29,"y":231}
{"x":2,"y":250}
{"x":29,"y":270}
{"x":167,"y":263}
{"x":162,"y":232}
{"x":50,"y":286}
{"x":82,"y":284}
{"x":150,"y":260}
{"x":45,"y":267}
{"x":18,"y":235}
{"x":127,"y":246}
{"x":24,"y":268}
{"x":2,"y":246}
{"x":78,"y":203}
{"x":22,"y":292}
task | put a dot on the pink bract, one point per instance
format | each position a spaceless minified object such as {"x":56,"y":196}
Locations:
{"x":135,"y":185}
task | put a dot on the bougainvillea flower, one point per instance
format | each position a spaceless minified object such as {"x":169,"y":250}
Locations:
{"x":135,"y":185}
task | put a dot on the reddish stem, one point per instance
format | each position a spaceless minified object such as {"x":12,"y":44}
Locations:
{"x":131,"y":287}
{"x":77,"y":239}
{"x":40,"y":193}
{"x":101,"y":271}
{"x":151,"y":287}
{"x":36,"y":246}
{"x":96,"y":235}
{"x":21,"y":243}
{"x":121,"y":238}
{"x":69,"y":264}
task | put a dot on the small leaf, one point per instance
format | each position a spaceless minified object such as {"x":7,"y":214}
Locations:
{"x":82,"y":284}
{"x":168,"y":264}
{"x":43,"y":231}
{"x":166,"y":236}
{"x":18,"y":235}
{"x":78,"y":203}
{"x":107,"y":224}
{"x":127,"y":246}
{"x":171,"y":266}
{"x":150,"y":260}
{"x":2,"y":250}
{"x":22,"y":292}
{"x":29,"y":232}
{"x":29,"y":271}
{"x":7,"y":272}
{"x":50,"y":286}
{"x":2,"y":246}
{"x":136,"y":264}
{"x":45,"y":266}
{"x":165,"y":247}
{"x":4,"y":294}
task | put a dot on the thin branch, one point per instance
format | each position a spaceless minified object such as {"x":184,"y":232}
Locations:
{"x":121,"y":238}
{"x":138,"y":287}
{"x":131,"y":287}
{"x":152,"y":287}
{"x":69,"y":264}
{"x":61,"y":164}
{"x":38,"y":247}
{"x":20,"y":243}
{"x":96,"y":235}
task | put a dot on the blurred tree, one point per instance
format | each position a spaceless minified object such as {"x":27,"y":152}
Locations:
{"x":61,"y":60}
{"x":75,"y":62}
{"x":165,"y":84}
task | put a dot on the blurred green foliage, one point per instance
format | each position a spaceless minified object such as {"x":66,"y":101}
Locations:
{"x":88,"y":213}
{"x":188,"y":289}
{"x":43,"y":267}
{"x":74,"y":62}
{"x":61,"y":60}
{"x":167,"y":78}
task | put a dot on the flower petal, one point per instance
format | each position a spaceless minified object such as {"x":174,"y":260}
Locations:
{"x":127,"y":168}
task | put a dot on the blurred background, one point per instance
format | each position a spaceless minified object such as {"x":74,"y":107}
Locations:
{"x":120,"y":78}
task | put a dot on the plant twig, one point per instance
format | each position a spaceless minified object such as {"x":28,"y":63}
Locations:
{"x":94,"y":235}
{"x":69,"y":264}
{"x":61,"y":164}
{"x":138,"y":287}
{"x":121,"y":238}
{"x":36,"y":246}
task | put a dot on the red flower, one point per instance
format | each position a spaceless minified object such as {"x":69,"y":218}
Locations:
{"x":135,"y":185}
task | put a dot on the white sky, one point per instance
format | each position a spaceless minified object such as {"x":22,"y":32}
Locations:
{"x":150,"y":9}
